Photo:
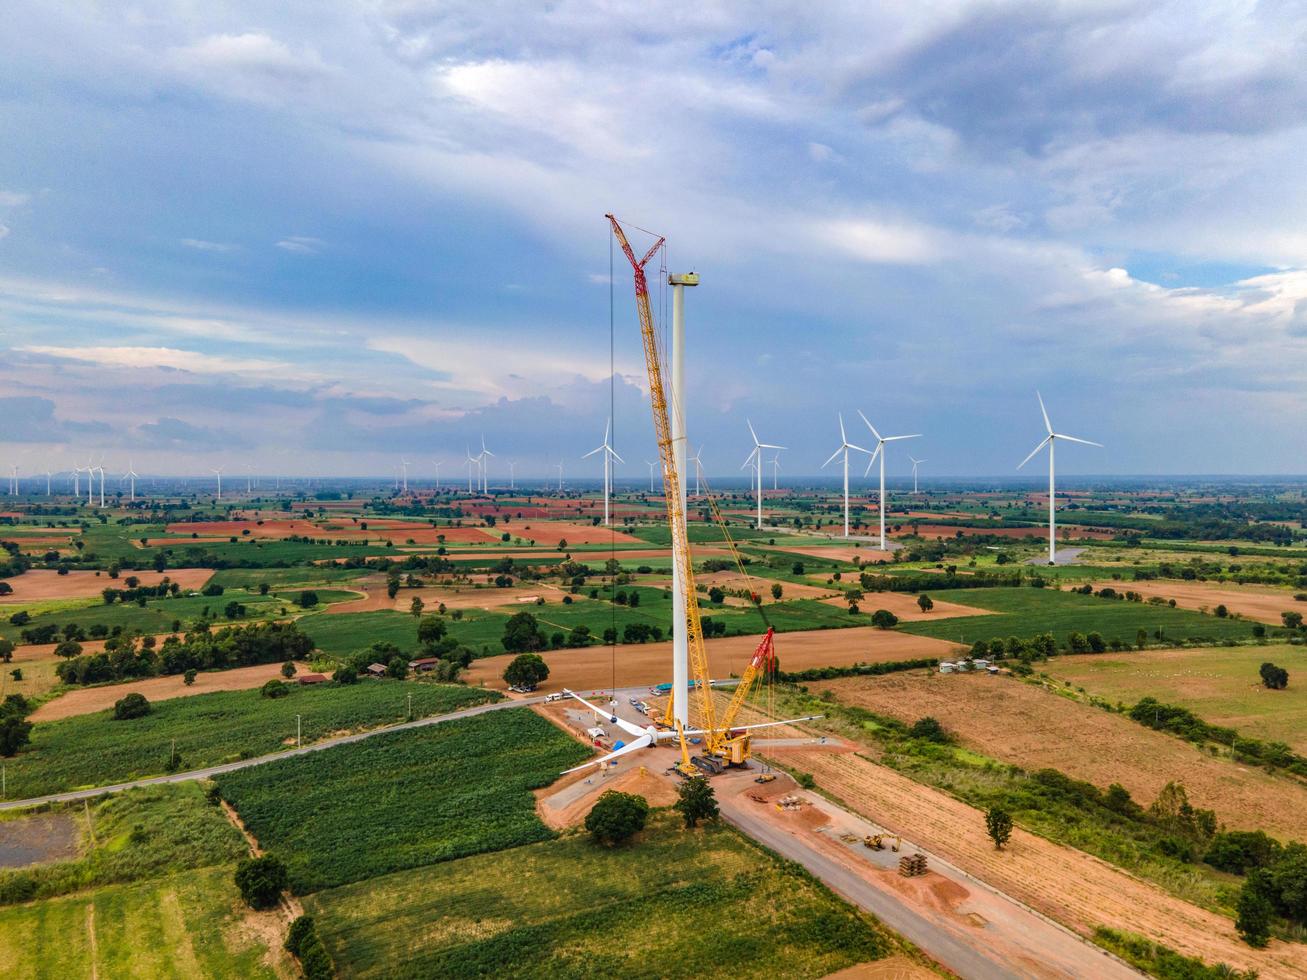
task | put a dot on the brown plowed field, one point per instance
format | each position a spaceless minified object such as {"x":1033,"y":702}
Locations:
{"x":84,"y":700}
{"x":396,"y":531}
{"x":41,"y":584}
{"x":1025,"y":725}
{"x":1263,"y":605}
{"x":651,"y":663}
{"x":905,"y":607}
{"x":549,"y":533}
{"x":838,"y":552}
{"x":1067,"y":885}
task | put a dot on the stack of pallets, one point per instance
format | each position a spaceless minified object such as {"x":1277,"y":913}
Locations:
{"x":910,"y":867}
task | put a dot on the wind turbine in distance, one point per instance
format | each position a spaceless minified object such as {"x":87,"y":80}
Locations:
{"x":512,"y":474}
{"x":131,"y":475}
{"x":915,"y":464}
{"x":845,"y":446}
{"x":609,"y":454}
{"x":775,"y":471}
{"x":755,"y":458}
{"x":651,"y":469}
{"x":698,"y":468}
{"x":218,"y":473}
{"x":485,"y":467}
{"x":436,"y":464}
{"x":100,"y":469}
{"x":880,"y":451}
{"x":48,"y":475}
{"x":403,"y":465}
{"x":471,"y":462}
{"x":560,"y":475}
{"x":77,"y":482}
{"x":13,"y":481}
{"x":1049,"y":440}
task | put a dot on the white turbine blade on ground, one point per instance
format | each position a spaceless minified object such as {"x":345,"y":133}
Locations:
{"x":1084,"y":442}
{"x":611,"y":717}
{"x":869,"y":425}
{"x":643,"y":742}
{"x":1043,"y":442}
{"x":1047,"y":424}
{"x":765,"y":724}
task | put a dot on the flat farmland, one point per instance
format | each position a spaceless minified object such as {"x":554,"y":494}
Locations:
{"x":1220,"y":685}
{"x":904,"y":605}
{"x":566,"y":908}
{"x":1262,"y":604}
{"x":186,"y":925}
{"x":1026,"y":612}
{"x":43,"y":584}
{"x":835,"y":553}
{"x":1024,"y":725}
{"x":549,"y":533}
{"x":650,"y":663}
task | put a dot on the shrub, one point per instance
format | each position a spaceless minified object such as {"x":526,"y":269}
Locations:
{"x":1273,"y":677}
{"x":929,"y":729}
{"x":1240,"y":851}
{"x":261,"y":880}
{"x":274,"y":689}
{"x":188,"y":678}
{"x":617,"y":817}
{"x":308,"y":599}
{"x":884,"y":619}
{"x":133,"y":705}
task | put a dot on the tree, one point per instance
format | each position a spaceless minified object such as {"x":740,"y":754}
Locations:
{"x":397,"y":668}
{"x":431,"y":630}
{"x":617,"y":817}
{"x":261,"y":880}
{"x":716,"y":595}
{"x":929,"y":729}
{"x":1292,"y":620}
{"x":6,"y":650}
{"x":308,"y":599}
{"x":288,"y":669}
{"x":1273,"y":677}
{"x":883,"y":619}
{"x":263,"y":588}
{"x":274,"y":689}
{"x":416,"y":606}
{"x":527,"y":670}
{"x":392,"y":587}
{"x":777,"y":591}
{"x":522,"y":634}
{"x":998,"y":824}
{"x":1253,"y":911}
{"x":924,"y":603}
{"x":695,"y":801}
{"x":15,"y":732}
{"x":188,"y":678}
{"x":68,"y":649}
{"x":133,"y":705}
{"x":346,"y":675}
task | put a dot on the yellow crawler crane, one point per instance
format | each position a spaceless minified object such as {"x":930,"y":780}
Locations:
{"x":672,"y":492}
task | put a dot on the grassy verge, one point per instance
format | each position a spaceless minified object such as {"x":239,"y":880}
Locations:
{"x":567,"y":908}
{"x":404,"y":799}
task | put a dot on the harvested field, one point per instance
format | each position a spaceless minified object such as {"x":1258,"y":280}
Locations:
{"x":84,"y":700}
{"x":734,"y":580}
{"x":513,"y":599}
{"x":838,"y":552}
{"x":551,"y":532}
{"x":1261,"y":604}
{"x":1025,"y":725}
{"x":1220,"y":685}
{"x":651,"y":663}
{"x":333,"y":529}
{"x":38,"y":585}
{"x":904,"y":606}
{"x":949,"y":531}
{"x":1070,"y":886}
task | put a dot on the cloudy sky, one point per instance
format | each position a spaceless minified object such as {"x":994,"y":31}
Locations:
{"x":309,"y":238}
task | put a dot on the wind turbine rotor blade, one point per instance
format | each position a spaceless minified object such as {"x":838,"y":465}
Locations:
{"x":1044,"y":442}
{"x":1043,"y":411}
{"x":843,"y":438}
{"x":1083,"y":442}
{"x":872,"y":461}
{"x":751,"y":432}
{"x":849,"y":445}
{"x":915,"y":435}
{"x":643,"y":742}
{"x":593,"y":451}
{"x":615,"y":456}
{"x":610,"y":717}
{"x":869,"y":425}
{"x":833,"y":457}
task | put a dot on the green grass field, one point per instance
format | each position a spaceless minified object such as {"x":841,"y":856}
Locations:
{"x":1220,"y":685}
{"x":95,"y":750}
{"x":568,"y":908}
{"x":156,"y":616}
{"x":280,"y":578}
{"x":1026,"y":612}
{"x":186,"y":925}
{"x":140,"y":833}
{"x":404,"y":799}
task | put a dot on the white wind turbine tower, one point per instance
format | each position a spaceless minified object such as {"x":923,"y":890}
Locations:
{"x":845,"y":446}
{"x":698,"y":468}
{"x":512,"y":474}
{"x":131,"y":475}
{"x":218,"y":473}
{"x":880,"y":451}
{"x":403,"y":464}
{"x":100,"y":469}
{"x":471,"y":462}
{"x":90,"y":482}
{"x":755,"y":459}
{"x":560,"y":476}
{"x":1049,"y":440}
{"x":13,"y":481}
{"x":915,"y":463}
{"x":609,"y":454}
{"x":436,"y":464}
{"x":485,"y":466}
{"x":651,"y":474}
{"x":48,"y":475}
{"x":775,"y":471}
{"x":77,"y":482}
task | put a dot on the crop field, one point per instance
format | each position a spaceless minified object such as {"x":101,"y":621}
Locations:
{"x":95,"y":749}
{"x":1220,"y":685}
{"x":404,"y":799}
{"x":156,"y":616}
{"x":140,"y":833}
{"x":566,"y":908}
{"x":1026,"y":612}
{"x":279,"y":578}
{"x":1025,"y":725}
{"x":186,"y":925}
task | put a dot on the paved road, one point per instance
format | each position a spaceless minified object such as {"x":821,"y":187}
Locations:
{"x":182,"y":777}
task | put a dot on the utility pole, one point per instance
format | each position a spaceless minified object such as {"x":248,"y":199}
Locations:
{"x":680,"y":632}
{"x":299,"y":743}
{"x":410,"y":707}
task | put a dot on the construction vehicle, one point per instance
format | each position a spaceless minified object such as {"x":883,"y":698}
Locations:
{"x":765,"y":777}
{"x":877,"y":842}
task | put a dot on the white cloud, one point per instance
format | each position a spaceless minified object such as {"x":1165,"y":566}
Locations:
{"x":4,"y":230}
{"x":868,"y":240}
{"x":200,"y":245}
{"x":301,"y":244}
{"x":12,"y":199}
{"x":252,"y":66}
{"x":161,"y":357}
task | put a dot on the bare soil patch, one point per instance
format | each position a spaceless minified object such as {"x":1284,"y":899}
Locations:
{"x":37,"y":839}
{"x":551,"y":532}
{"x":84,"y":700}
{"x":904,"y":606}
{"x":1262,"y":605}
{"x":1025,"y":725}
{"x":651,"y":663}
{"x":838,"y":552}
{"x":41,"y":584}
